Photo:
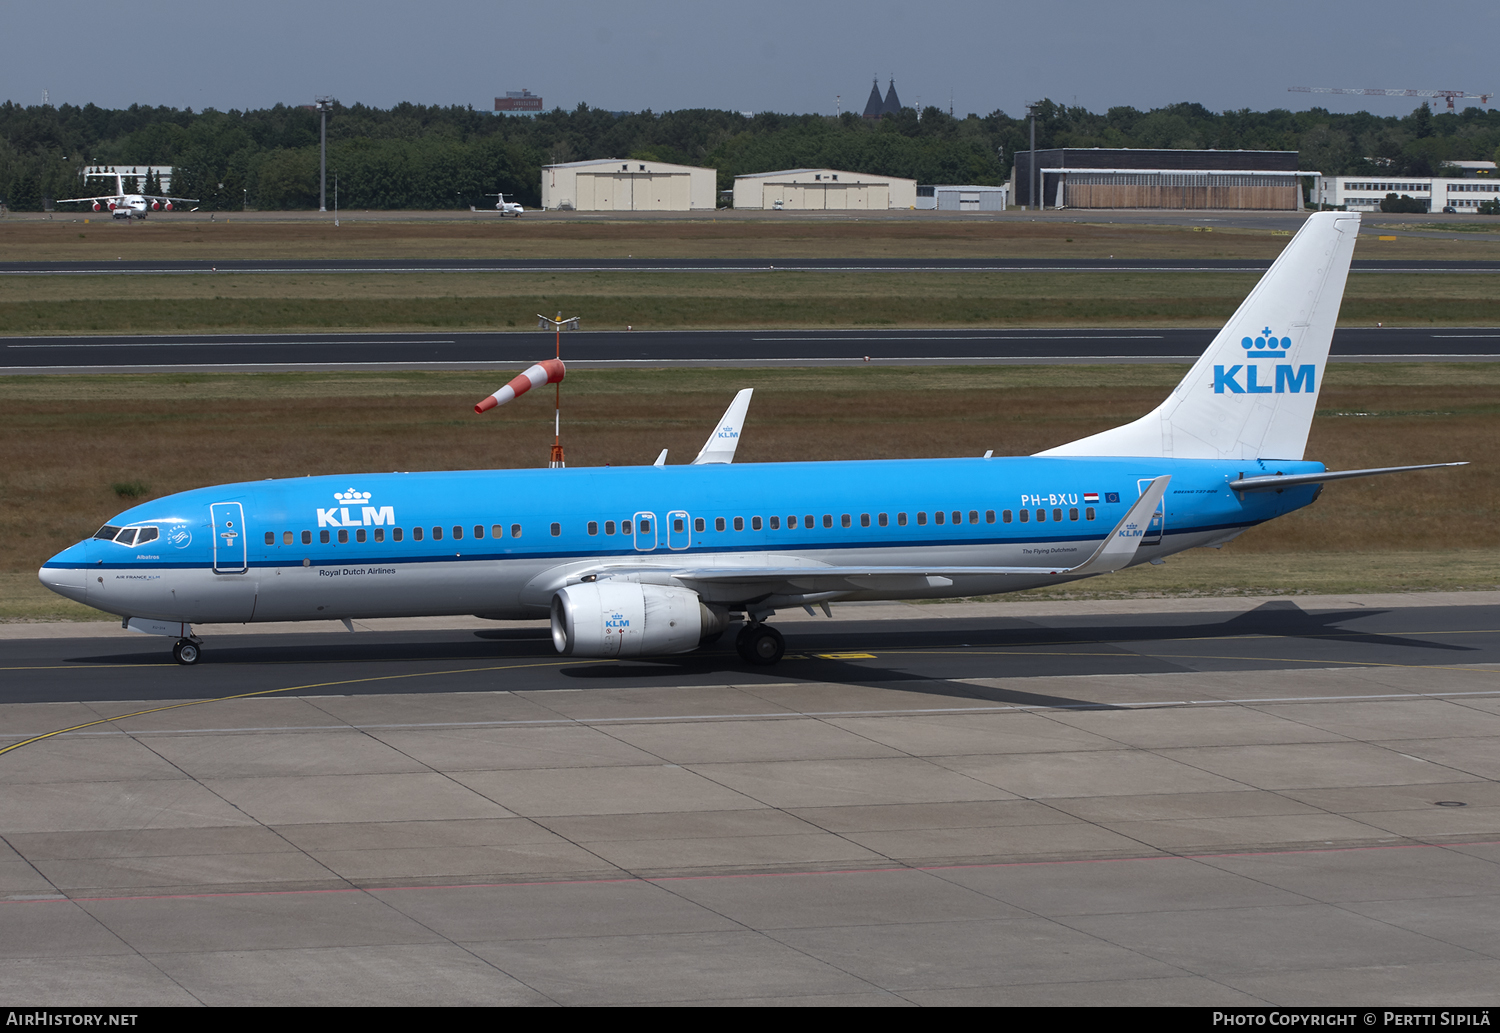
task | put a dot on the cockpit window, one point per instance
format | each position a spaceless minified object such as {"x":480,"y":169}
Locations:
{"x":128,"y":535}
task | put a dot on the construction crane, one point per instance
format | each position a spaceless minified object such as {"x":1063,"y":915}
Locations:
{"x":1451,"y":95}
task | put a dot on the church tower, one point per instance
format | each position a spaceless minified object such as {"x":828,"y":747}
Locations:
{"x":892,"y":105}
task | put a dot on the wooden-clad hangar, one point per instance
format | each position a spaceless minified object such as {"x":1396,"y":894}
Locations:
{"x":1099,"y":177}
{"x":628,"y":185}
{"x":823,"y":190}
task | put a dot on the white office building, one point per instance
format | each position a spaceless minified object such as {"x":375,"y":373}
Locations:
{"x":1464,"y":196}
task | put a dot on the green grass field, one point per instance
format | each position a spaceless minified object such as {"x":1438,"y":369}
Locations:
{"x":501,"y":301}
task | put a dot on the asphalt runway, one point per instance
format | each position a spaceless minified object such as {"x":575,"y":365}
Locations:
{"x":160,"y":267}
{"x":1207,"y":802}
{"x":697,"y":347}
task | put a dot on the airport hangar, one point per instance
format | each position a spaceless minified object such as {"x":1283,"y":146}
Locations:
{"x":1120,"y":177}
{"x":628,"y":185}
{"x":823,"y":190}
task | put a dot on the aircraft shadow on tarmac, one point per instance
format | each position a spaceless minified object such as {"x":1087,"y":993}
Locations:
{"x":936,"y":661}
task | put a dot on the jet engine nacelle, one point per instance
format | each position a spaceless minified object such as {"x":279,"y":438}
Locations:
{"x":98,"y":207}
{"x":156,"y":206}
{"x":625,"y":618}
{"x":168,"y":206}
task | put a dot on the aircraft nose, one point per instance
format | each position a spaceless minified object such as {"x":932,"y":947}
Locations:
{"x":67,"y":574}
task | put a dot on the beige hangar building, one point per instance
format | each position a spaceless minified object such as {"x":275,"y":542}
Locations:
{"x":627,"y":185}
{"x":823,"y":190}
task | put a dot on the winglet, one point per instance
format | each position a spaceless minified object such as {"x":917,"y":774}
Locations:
{"x":720,"y":446}
{"x":661,"y":460}
{"x":1117,"y":550}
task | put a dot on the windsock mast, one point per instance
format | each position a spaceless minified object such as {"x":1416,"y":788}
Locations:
{"x":559,"y":324}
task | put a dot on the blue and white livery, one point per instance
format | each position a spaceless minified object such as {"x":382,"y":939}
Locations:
{"x":635,"y":561}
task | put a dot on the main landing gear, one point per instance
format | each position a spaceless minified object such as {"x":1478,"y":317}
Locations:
{"x":186,"y":652}
{"x":760,"y":644}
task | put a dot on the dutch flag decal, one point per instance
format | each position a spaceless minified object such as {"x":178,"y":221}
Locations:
{"x":1090,"y":496}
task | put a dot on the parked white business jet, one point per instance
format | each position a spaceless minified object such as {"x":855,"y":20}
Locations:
{"x":635,"y":561}
{"x":504,"y":207}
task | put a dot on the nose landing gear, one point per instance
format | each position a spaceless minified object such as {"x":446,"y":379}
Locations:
{"x":760,"y":644}
{"x":186,"y":652}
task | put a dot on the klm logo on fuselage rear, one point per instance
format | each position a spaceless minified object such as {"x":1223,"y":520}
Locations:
{"x":1289,"y":379}
{"x":369,"y":516}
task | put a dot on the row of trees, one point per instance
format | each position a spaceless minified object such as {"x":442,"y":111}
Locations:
{"x":417,"y":156}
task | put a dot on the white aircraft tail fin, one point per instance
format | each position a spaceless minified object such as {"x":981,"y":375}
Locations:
{"x":1252,"y":394}
{"x":720,"y":446}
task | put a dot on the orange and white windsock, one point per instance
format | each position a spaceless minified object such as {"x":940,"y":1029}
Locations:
{"x":543,"y":373}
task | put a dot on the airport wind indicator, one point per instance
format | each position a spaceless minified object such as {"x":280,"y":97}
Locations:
{"x":550,"y":371}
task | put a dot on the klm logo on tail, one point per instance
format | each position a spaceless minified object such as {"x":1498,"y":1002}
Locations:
{"x":1289,"y":379}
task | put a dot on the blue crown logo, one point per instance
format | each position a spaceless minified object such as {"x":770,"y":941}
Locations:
{"x":354,"y":498}
{"x":1267,"y":346}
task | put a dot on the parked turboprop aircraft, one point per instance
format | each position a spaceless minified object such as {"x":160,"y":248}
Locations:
{"x":633,"y":561}
{"x":124,"y":206}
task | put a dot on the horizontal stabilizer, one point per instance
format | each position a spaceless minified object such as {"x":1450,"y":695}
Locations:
{"x":1276,"y":482}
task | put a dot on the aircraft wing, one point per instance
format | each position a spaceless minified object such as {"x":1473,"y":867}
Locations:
{"x":164,"y":197}
{"x":101,"y":197}
{"x":720,"y":446}
{"x":1115,"y":552}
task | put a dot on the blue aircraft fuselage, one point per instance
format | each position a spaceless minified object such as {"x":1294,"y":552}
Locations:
{"x":499,"y":542}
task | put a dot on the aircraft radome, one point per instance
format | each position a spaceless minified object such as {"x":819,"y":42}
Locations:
{"x":652,"y":560}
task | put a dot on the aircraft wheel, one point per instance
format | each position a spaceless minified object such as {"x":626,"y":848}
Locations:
{"x":760,"y":644}
{"x":186,"y":652}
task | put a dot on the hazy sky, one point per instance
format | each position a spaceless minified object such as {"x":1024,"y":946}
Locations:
{"x":770,"y":55}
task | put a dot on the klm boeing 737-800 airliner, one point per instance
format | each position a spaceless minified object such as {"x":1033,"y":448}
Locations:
{"x":652,"y":560}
